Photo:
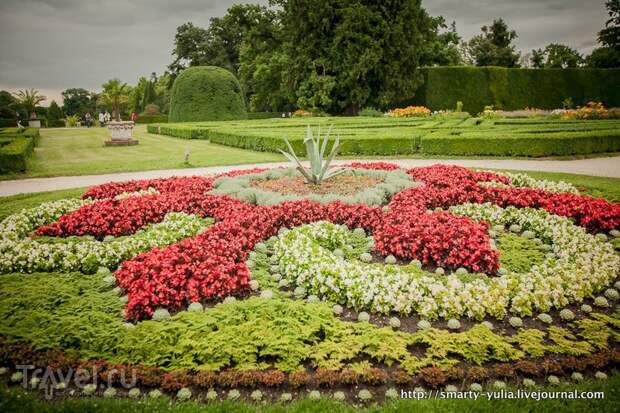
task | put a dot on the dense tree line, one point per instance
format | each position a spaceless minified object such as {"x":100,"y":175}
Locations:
{"x":334,"y":56}
{"x":338,"y":56}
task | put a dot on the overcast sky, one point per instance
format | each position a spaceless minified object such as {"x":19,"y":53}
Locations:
{"x":52,"y":45}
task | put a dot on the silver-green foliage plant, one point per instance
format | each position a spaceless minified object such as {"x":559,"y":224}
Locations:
{"x":316,"y":148}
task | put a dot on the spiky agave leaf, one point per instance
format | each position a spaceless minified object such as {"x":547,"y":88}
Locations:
{"x":315,"y":150}
{"x":294,"y":160}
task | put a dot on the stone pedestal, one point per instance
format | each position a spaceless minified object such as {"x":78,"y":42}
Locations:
{"x":34,"y":123}
{"x":121,"y":134}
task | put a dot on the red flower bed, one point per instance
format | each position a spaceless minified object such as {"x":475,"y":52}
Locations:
{"x":212,"y":264}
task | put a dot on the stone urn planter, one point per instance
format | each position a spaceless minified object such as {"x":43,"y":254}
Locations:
{"x":121,"y":134}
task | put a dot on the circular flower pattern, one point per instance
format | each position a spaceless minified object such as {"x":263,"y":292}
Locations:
{"x":153,"y":232}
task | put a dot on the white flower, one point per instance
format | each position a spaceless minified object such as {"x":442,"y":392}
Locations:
{"x":600,"y":375}
{"x":17,"y":377}
{"x":611,"y":294}
{"x":476,"y":387}
{"x":364,"y":395}
{"x":195,"y":307}
{"x":567,"y":315}
{"x":545,"y":318}
{"x":601,"y":301}
{"x":314,"y":395}
{"x":498,"y":385}
{"x":134,"y":393}
{"x":109,"y":392}
{"x":363,"y":316}
{"x":391,"y":393}
{"x":454,"y":324}
{"x":161,"y":314}
{"x":529,"y":383}
{"x":229,"y":300}
{"x":89,"y":389}
{"x":184,"y":394}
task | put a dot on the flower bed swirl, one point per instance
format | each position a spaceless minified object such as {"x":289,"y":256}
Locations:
{"x":578,"y":266}
{"x":416,"y":224}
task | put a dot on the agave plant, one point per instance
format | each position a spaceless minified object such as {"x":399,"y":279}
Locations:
{"x":315,"y":151}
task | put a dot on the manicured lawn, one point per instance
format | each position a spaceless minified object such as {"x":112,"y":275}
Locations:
{"x":81,"y":152}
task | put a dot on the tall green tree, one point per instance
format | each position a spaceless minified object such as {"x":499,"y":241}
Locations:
{"x":137,"y":95}
{"x":78,"y":101}
{"x":29,"y":99}
{"x":537,"y":58}
{"x":55,"y":115}
{"x":346,"y":54}
{"x":556,"y":56}
{"x":560,"y":56}
{"x":603,"y":58}
{"x":442,"y":46}
{"x":608,"y":55}
{"x":494,"y":47}
{"x":149,"y":96}
{"x":220,"y":44}
{"x":609,"y":36}
{"x":8,"y":105}
{"x":189,"y":47}
{"x":115,"y":95}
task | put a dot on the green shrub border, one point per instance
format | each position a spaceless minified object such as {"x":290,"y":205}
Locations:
{"x":20,"y":146}
{"x":512,"y":89}
{"x":495,"y":142}
{"x":146,"y":119}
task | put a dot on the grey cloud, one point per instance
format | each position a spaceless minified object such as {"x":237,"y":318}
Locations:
{"x":55,"y":44}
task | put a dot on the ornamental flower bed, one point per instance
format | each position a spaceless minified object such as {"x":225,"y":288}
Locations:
{"x":461,"y":275}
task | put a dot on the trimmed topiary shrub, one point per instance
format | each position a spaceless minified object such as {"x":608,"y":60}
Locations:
{"x":202,"y":93}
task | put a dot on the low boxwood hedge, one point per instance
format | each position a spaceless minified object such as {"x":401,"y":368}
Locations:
{"x":146,"y":119}
{"x":16,"y":145}
{"x":264,"y":115}
{"x":429,"y":137}
{"x":522,"y":144}
{"x":14,"y":154}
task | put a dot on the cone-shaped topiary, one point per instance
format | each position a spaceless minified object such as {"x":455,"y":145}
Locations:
{"x":203,"y":93}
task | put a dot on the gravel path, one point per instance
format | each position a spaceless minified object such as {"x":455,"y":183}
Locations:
{"x":609,"y":167}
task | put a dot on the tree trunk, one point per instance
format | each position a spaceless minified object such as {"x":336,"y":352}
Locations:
{"x":352,"y":110}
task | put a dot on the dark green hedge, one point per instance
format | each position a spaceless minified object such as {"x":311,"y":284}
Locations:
{"x":14,"y":154}
{"x":146,"y":119}
{"x":202,"y":93}
{"x":4,"y":123}
{"x":264,"y":115}
{"x":16,"y":145}
{"x":365,"y":146}
{"x":505,"y":143}
{"x":512,"y":89}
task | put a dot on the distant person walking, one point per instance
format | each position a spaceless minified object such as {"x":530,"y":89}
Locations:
{"x":134,"y":116}
{"x":101,"y":119}
{"x":88,"y":120}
